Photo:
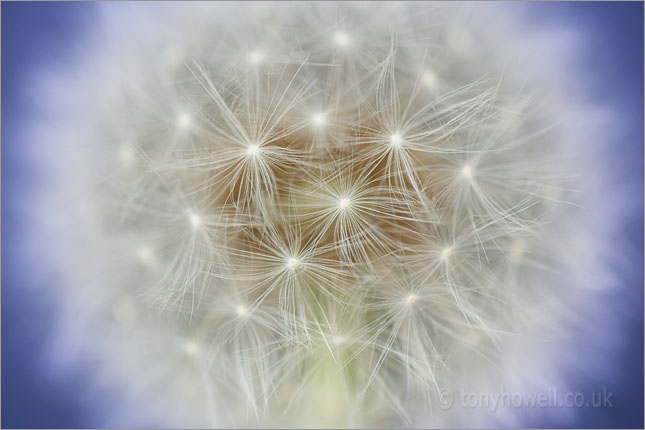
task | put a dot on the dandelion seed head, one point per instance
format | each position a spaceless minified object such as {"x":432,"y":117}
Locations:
{"x":286,"y":194}
{"x":256,"y":57}
{"x":144,"y":254}
{"x":341,"y":38}
{"x":183,"y":121}
{"x":319,"y":119}
{"x":429,"y":79}
{"x":293,"y":263}
{"x":252,"y":150}
{"x":194,"y":220}
{"x":240,"y":310}
{"x":127,"y":155}
{"x":191,"y":348}
{"x":396,"y":140}
{"x":344,"y":203}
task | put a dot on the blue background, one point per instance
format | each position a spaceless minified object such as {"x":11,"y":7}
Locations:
{"x":38,"y":34}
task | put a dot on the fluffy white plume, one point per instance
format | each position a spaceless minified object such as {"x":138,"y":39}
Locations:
{"x":318,"y":214}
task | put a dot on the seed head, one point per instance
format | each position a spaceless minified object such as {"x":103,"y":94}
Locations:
{"x":379,"y":175}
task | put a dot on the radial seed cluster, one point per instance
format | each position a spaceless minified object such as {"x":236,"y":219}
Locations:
{"x":318,"y":214}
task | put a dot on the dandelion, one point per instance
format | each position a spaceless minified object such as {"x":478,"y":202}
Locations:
{"x":320,"y":234}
